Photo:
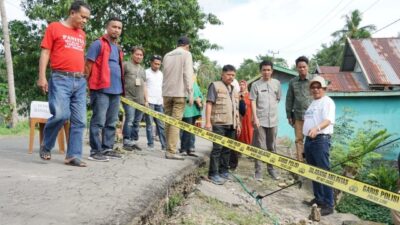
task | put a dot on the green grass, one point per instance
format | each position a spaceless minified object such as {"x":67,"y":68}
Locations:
{"x":22,"y":128}
{"x":235,"y":216}
{"x":364,"y":209}
{"x":172,"y":203}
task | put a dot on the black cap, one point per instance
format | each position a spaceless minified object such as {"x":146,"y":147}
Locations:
{"x":183,"y":41}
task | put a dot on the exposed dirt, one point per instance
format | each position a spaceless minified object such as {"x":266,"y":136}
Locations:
{"x":230,"y":204}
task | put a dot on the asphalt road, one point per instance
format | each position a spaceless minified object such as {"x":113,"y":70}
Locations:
{"x":37,"y":192}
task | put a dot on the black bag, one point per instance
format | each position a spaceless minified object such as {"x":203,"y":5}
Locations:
{"x":242,"y":107}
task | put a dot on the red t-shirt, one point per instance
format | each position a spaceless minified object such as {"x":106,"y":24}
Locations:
{"x":66,"y":46}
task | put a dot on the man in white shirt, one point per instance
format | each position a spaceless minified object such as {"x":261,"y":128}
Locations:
{"x":318,"y":128}
{"x":154,"y":82}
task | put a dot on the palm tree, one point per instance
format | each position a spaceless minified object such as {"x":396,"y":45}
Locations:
{"x":352,"y":29}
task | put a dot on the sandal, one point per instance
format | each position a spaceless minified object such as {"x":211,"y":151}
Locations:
{"x":44,"y":153}
{"x":75,"y":162}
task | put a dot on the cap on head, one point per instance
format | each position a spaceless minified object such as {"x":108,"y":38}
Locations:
{"x":183,"y":41}
{"x":320,"y":80}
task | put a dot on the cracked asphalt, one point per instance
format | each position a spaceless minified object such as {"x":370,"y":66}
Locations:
{"x":37,"y":192}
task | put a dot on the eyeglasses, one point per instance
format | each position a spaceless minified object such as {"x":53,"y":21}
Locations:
{"x":315,"y":87}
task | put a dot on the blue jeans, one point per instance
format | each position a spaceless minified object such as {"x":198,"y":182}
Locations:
{"x":159,"y":127}
{"x":104,"y":119}
{"x":188,"y":139}
{"x":136,"y":125}
{"x":128,"y":122}
{"x":67,"y":101}
{"x":317,"y":154}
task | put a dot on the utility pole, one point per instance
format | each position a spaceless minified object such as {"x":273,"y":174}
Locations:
{"x":273,"y":54}
{"x":9,"y":64}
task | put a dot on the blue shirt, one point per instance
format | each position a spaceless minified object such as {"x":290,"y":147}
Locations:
{"x":113,"y":62}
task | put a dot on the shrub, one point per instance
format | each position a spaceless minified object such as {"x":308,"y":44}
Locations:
{"x":364,"y":209}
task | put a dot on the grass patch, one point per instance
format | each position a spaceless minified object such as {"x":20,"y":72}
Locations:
{"x":172,"y":202}
{"x":233,"y":215}
{"x":22,"y":128}
{"x":364,"y":209}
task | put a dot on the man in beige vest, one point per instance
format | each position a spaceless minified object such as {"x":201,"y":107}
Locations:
{"x":177,"y":85}
{"x":222,"y":116}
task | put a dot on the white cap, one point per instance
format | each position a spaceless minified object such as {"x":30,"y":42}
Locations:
{"x":320,"y":80}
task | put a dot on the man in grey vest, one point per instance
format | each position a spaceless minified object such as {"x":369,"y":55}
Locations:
{"x":222,"y":116}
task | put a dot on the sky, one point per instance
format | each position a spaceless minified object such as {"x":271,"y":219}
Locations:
{"x":290,"y":27}
{"x":285,"y":28}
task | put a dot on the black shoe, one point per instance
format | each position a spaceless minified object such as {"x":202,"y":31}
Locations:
{"x":112,"y":155}
{"x":326,"y":210}
{"x":99,"y":157}
{"x":137,"y":147}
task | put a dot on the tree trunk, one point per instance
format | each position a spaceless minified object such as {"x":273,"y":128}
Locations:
{"x":9,"y":64}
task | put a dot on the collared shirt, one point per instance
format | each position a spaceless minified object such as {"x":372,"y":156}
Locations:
{"x":298,"y":97}
{"x":154,"y":82}
{"x":318,"y":111}
{"x":266,"y":94}
{"x":135,"y":78}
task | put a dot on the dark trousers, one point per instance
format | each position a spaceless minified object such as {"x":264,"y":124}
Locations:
{"x":317,"y":154}
{"x":187,"y":139}
{"x":219,"y":157}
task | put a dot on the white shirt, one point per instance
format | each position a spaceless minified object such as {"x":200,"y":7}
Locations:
{"x":319,"y":110}
{"x":154,"y":82}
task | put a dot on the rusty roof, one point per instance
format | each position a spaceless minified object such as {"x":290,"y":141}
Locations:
{"x":345,"y":82}
{"x":379,"y":59}
{"x":328,"y":69}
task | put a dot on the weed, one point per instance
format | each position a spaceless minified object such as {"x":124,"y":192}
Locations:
{"x":172,"y":202}
{"x":364,"y":209}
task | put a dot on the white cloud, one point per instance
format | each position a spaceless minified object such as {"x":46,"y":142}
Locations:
{"x":292,"y":27}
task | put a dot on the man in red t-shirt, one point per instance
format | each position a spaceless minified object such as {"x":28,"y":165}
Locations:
{"x":63,"y":44}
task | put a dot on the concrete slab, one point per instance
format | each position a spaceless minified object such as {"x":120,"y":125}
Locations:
{"x":38,"y":192}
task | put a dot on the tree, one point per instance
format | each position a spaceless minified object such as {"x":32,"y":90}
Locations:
{"x":352,"y":30}
{"x":207,"y":71}
{"x":153,"y":24}
{"x":250,"y":68}
{"x":9,"y":66}
{"x":332,"y":55}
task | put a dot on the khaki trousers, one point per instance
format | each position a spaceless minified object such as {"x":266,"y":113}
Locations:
{"x":173,"y":106}
{"x":298,"y":131}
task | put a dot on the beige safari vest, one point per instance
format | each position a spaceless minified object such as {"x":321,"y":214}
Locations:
{"x":225,"y":109}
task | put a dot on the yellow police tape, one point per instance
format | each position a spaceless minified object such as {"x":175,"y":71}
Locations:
{"x":374,"y":194}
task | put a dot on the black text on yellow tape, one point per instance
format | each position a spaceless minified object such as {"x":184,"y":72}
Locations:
{"x":374,"y":194}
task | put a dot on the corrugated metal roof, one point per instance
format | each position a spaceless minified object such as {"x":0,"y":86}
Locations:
{"x":328,"y":69}
{"x":344,"y":82}
{"x":379,"y":59}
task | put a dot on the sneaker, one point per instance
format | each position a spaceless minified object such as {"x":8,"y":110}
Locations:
{"x":150,"y":148}
{"x":173,"y":156}
{"x":326,"y":210}
{"x":128,"y":142}
{"x":273,"y":174}
{"x":99,"y":157}
{"x":226,"y":176}
{"x":216,"y":179}
{"x":112,"y":154}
